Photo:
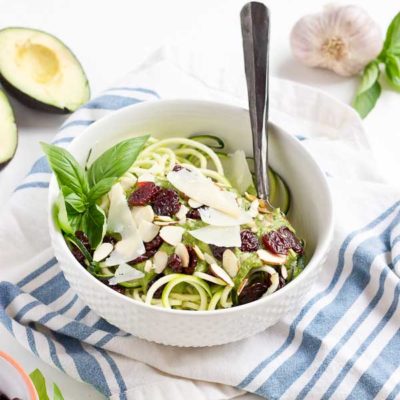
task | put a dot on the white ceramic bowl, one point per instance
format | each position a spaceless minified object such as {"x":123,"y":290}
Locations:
{"x":310,"y":213}
{"x":14,"y":381}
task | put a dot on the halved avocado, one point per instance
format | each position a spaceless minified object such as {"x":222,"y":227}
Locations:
{"x":8,"y":131}
{"x":40,"y":71}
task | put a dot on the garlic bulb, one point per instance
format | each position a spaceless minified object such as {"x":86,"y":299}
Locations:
{"x":343,"y":39}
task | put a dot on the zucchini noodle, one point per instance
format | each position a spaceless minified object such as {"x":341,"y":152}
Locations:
{"x":199,"y":290}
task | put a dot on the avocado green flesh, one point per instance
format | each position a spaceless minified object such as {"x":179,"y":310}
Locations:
{"x":8,"y":131}
{"x":40,"y":71}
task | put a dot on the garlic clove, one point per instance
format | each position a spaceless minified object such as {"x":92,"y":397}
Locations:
{"x":342,"y":39}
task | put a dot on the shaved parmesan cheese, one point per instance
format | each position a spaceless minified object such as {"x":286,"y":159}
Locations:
{"x":172,"y":234}
{"x":237,"y":171}
{"x":194,"y":204}
{"x":142,"y":213}
{"x":120,"y":220}
{"x":223,"y":236}
{"x":127,"y":181}
{"x":203,"y":190}
{"x":146,"y":177}
{"x":148,"y":231}
{"x":125,"y":273}
{"x":212,"y":216}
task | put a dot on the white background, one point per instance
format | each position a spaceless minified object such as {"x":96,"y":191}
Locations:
{"x":111,"y":37}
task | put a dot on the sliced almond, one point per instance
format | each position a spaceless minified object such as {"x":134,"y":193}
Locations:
{"x":274,"y":284}
{"x":194,"y":204}
{"x":102,"y":251}
{"x":284,"y":272}
{"x":160,"y":261}
{"x":181,"y":214}
{"x":148,"y":231}
{"x":209,"y":259}
{"x":250,"y":197}
{"x":142,"y":213}
{"x":163,"y":218}
{"x":183,"y":253}
{"x":253,"y":210}
{"x":166,"y":223}
{"x":198,"y":252}
{"x":172,"y":234}
{"x":220,"y":273}
{"x":230,"y":263}
{"x":271,"y":259}
{"x":241,"y":286}
{"x":148,"y":266}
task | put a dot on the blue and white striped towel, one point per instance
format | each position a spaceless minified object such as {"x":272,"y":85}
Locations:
{"x":345,"y":341}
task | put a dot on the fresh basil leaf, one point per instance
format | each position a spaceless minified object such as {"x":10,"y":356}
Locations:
{"x":365,"y":101}
{"x":369,"y":90}
{"x":114,"y":162}
{"x":100,"y":188}
{"x":369,"y":77}
{"x":57,"y":393}
{"x":40,"y":384}
{"x":76,"y":222}
{"x":93,"y":223}
{"x":81,"y":247}
{"x":392,"y":68}
{"x":392,"y":40}
{"x":76,"y":202}
{"x":70,"y":175}
{"x":61,"y":216}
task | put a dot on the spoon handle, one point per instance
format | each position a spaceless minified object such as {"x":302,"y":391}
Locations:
{"x":254,"y":19}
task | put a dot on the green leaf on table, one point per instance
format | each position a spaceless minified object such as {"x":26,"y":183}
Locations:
{"x":93,"y":224}
{"x":40,"y":384}
{"x":70,"y":175}
{"x":392,"y":68}
{"x":392,"y":40}
{"x":57,"y":393}
{"x":100,"y":189}
{"x":369,"y":90}
{"x":115,"y":161}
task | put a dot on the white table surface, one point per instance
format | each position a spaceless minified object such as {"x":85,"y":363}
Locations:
{"x":111,"y":37}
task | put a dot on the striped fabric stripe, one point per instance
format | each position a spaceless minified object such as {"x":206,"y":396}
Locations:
{"x":354,"y":311}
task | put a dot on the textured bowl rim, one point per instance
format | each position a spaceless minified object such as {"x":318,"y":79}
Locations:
{"x":322,"y":245}
{"x":18,"y":368}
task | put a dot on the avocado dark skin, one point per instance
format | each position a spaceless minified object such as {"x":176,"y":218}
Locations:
{"x":30,"y":101}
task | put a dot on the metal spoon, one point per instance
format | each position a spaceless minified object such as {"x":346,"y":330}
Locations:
{"x":254,"y":19}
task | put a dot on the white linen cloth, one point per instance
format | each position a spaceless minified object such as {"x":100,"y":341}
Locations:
{"x":344,"y":342}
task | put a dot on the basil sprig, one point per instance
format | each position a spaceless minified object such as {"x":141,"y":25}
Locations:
{"x":39,"y":382}
{"x":370,"y":89}
{"x":81,"y":189}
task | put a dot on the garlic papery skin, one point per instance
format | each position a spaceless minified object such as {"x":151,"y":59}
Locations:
{"x":341,"y":38}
